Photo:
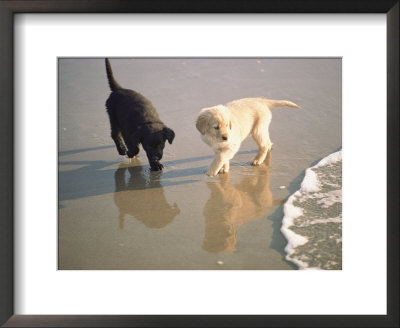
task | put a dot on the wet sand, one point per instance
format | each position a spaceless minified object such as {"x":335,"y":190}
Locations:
{"x":117,"y":214}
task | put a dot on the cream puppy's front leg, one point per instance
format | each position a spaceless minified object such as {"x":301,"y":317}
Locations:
{"x":219,"y":164}
{"x":215,"y":166}
{"x":225,"y":167}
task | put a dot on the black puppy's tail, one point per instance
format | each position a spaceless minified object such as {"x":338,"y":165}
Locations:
{"x":114,"y":86}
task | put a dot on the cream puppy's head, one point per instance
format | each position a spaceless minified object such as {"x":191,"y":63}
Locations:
{"x":215,"y":123}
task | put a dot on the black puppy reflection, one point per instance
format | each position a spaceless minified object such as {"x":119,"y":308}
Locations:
{"x":231,"y":206}
{"x":142,"y":197}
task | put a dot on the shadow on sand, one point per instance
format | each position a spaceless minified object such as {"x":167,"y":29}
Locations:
{"x":92,"y":178}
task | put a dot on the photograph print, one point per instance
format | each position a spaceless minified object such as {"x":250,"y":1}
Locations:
{"x":199,"y":163}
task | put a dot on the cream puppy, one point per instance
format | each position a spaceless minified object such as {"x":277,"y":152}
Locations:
{"x":224,"y":127}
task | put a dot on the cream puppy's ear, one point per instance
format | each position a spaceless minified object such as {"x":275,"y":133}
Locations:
{"x":202,"y":122}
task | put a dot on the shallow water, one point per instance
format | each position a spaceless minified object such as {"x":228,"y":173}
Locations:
{"x":312,"y":221}
{"x":117,"y":214}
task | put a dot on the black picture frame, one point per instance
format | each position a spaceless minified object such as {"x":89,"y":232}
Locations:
{"x":10,"y":7}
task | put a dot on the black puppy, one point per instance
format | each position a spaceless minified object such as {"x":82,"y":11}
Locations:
{"x":135,"y":118}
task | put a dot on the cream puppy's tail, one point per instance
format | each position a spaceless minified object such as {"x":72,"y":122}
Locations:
{"x":280,"y":103}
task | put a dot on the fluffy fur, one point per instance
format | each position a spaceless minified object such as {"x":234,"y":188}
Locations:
{"x":224,"y":127}
{"x":135,"y":121}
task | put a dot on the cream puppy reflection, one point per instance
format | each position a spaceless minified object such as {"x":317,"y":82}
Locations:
{"x":142,"y":197}
{"x":231,"y":206}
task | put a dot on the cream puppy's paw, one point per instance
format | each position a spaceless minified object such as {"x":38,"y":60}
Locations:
{"x":224,"y":168}
{"x":211,"y":173}
{"x":257,"y":162}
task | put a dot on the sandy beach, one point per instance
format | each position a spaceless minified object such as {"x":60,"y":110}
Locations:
{"x":116,"y":214}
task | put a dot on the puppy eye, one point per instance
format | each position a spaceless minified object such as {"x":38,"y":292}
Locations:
{"x":216,"y":128}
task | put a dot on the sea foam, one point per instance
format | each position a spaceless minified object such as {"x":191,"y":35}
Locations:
{"x":312,"y":222}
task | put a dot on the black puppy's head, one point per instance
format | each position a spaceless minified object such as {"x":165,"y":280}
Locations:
{"x":153,"y":143}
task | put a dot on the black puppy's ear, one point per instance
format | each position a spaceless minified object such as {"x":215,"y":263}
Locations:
{"x":169,"y":134}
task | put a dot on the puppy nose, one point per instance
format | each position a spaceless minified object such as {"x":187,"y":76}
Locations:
{"x":224,"y":138}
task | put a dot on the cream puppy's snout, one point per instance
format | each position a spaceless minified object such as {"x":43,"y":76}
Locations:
{"x":222,"y":131}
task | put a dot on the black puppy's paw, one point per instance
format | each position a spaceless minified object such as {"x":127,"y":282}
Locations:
{"x":131,"y":154}
{"x":122,"y":152}
{"x":156,"y":166}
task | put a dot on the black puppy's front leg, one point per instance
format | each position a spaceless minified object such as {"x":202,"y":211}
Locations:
{"x":116,"y":133}
{"x":133,"y":150}
{"x":132,"y":142}
{"x":116,"y":136}
{"x":156,"y":166}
